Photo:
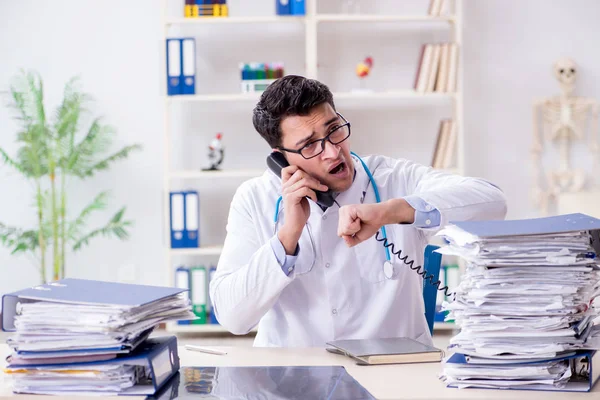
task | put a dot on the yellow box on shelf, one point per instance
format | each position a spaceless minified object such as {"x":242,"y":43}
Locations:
{"x":206,"y":10}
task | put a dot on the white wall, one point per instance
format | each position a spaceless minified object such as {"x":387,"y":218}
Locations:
{"x":115,"y":47}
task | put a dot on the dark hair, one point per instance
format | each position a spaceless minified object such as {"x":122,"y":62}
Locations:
{"x":290,"y":95}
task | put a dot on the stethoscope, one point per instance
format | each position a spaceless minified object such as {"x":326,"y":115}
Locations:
{"x":388,"y":267}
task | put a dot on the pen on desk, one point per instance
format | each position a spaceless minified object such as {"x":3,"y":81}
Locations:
{"x":204,"y":350}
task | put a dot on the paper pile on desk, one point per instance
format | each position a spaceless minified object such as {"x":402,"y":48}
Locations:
{"x":76,"y":321}
{"x":525,"y":296}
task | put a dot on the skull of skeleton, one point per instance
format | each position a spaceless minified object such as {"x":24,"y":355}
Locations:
{"x":565,"y":71}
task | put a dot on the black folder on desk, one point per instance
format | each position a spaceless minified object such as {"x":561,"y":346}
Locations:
{"x":400,"y":350}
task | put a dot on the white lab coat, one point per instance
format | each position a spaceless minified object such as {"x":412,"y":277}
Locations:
{"x":336,"y":292}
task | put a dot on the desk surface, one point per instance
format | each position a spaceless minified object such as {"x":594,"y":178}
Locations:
{"x":407,"y":381}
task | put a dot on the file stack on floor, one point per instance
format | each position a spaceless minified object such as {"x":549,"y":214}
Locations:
{"x":524,"y":303}
{"x":84,"y":336}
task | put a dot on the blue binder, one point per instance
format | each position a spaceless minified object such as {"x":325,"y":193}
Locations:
{"x":83,"y":291}
{"x":297,"y":7}
{"x":533,"y":226}
{"x":174,"y":67}
{"x":188,"y":65}
{"x":213,"y":317}
{"x":283,"y":7}
{"x":158,"y":357}
{"x":192,"y":215}
{"x":185,"y":211}
{"x":583,"y":381}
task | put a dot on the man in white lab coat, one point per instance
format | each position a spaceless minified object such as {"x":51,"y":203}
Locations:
{"x":307,"y":274}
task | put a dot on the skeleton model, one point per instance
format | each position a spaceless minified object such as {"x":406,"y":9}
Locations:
{"x":563,"y":119}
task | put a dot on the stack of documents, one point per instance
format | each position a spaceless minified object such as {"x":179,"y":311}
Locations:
{"x":72,"y":322}
{"x":526,"y":297}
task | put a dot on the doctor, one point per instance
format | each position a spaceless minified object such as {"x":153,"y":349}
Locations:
{"x":307,"y":274}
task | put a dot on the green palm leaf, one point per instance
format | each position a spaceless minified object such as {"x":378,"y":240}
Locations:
{"x":9,"y":161}
{"x":75,"y":227}
{"x":18,"y":239}
{"x":104,"y":164}
{"x":115,"y":227}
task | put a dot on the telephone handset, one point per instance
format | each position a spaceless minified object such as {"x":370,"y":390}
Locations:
{"x":276,"y":162}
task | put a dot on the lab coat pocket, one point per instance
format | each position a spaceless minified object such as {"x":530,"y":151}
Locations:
{"x":370,"y":256}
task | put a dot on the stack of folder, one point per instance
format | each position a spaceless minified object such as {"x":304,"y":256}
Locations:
{"x":524,"y":304}
{"x":84,"y":336}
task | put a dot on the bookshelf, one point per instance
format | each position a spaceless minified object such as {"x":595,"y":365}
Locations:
{"x":310,"y":25}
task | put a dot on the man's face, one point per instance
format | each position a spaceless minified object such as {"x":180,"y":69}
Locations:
{"x":333,"y":167}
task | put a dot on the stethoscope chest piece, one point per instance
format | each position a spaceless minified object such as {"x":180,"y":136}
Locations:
{"x":389,"y":270}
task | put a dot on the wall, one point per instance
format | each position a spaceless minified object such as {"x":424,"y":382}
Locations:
{"x":509,"y":47}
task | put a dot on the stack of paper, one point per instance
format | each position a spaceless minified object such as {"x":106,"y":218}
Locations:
{"x":74,"y":321}
{"x":525,"y":296}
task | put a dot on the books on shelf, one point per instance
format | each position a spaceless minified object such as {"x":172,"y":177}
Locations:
{"x":205,"y":8}
{"x":437,"y":69}
{"x":444,"y":154}
{"x":438,"y":7}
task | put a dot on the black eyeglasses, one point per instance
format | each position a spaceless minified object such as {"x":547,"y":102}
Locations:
{"x":336,"y":135}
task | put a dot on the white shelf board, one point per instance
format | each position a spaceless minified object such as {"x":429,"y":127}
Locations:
{"x":381,"y":18}
{"x":199,"y":328}
{"x":198,"y":251}
{"x":233,"y":20}
{"x":391,"y":95}
{"x":223,"y":97}
{"x":358,"y":95}
{"x":234,"y":173}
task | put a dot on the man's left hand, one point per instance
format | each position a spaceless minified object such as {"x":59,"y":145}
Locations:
{"x":358,"y":222}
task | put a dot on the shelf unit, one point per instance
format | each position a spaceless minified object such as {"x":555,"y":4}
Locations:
{"x":311,"y":21}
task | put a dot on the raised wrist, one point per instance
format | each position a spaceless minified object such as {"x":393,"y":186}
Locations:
{"x":398,"y":211}
{"x":289,"y":239}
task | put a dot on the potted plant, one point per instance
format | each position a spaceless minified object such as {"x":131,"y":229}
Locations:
{"x":54,"y":150}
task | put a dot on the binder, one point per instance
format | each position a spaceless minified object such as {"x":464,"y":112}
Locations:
{"x":213,"y":317}
{"x":176,"y":205}
{"x":192,"y":213}
{"x":182,"y":281}
{"x":188,"y":56}
{"x":83,"y":291}
{"x":583,"y":380}
{"x":185,"y":211}
{"x":534,"y":226}
{"x":283,"y":7}
{"x":158,"y":357}
{"x":297,"y":7}
{"x":198,"y":286}
{"x":174,"y":71}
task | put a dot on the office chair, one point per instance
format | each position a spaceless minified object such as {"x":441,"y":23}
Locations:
{"x":432,"y":263}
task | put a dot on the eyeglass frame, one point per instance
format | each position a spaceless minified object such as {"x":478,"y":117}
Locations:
{"x":346,"y":123}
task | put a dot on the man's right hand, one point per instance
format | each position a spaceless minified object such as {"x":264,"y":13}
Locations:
{"x":296,"y":185}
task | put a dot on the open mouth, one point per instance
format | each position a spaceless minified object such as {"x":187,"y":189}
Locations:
{"x":341,"y":167}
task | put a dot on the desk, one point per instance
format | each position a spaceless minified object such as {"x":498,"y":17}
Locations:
{"x":407,"y":381}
